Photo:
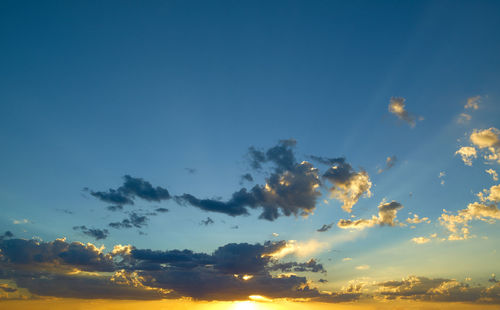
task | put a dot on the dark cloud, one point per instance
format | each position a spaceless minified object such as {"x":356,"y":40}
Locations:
{"x":6,"y":288}
{"x":207,"y":222}
{"x":190,"y":170}
{"x":322,"y":281}
{"x":134,"y":220}
{"x":291,"y":188}
{"x":161,"y":210}
{"x":54,"y":254}
{"x":235,"y":227}
{"x":325,"y":227}
{"x":130,"y":190}
{"x":311,"y":266}
{"x":428,"y":289}
{"x":247,"y":177}
{"x":98,"y":234}
{"x":7,"y":234}
{"x":348,"y":185}
{"x":232,"y":272}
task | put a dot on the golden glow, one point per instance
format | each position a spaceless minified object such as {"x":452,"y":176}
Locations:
{"x":244,"y":305}
{"x":259,"y":298}
{"x":247,"y":277}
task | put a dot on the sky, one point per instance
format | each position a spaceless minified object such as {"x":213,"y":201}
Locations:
{"x":249,"y":154}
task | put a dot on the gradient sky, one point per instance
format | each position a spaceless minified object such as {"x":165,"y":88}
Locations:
{"x":395,"y":103}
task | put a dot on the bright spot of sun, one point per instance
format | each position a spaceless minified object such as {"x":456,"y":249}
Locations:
{"x":244,"y":305}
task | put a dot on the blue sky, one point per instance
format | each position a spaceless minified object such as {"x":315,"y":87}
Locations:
{"x":92,"y":91}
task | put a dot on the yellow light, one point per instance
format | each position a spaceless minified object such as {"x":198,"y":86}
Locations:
{"x":244,"y":305}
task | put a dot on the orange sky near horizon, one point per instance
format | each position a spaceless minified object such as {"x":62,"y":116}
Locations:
{"x":78,"y":304}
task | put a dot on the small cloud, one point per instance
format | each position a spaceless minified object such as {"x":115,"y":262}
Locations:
{"x":346,"y":259}
{"x":235,"y":227}
{"x":190,"y":170}
{"x":473,"y":103}
{"x":325,"y":227}
{"x":389,"y":163}
{"x":493,"y":174}
{"x":488,"y":139}
{"x":363,"y":267}
{"x":441,"y":176}
{"x":467,"y":153}
{"x":207,"y":222}
{"x":161,"y":210}
{"x":23,"y":221}
{"x":420,"y":240}
{"x":275,"y":234}
{"x":463,"y":118}
{"x":247,"y":177}
{"x":397,"y":107}
{"x":97,"y":234}
{"x":417,"y":220}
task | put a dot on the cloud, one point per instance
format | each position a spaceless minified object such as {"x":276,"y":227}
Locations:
{"x":232,"y":272}
{"x":311,"y":266}
{"x":389,"y":163}
{"x":162,"y":210}
{"x":488,"y":139}
{"x":325,"y":227}
{"x":346,"y":259}
{"x":428,"y":289}
{"x":363,"y":267}
{"x":417,"y":220}
{"x":493,"y":174}
{"x":6,"y":288}
{"x":190,"y":170}
{"x":44,"y":256}
{"x":247,"y":177}
{"x":134,"y":220}
{"x":473,"y":103}
{"x":97,"y":234}
{"x":387,"y":212}
{"x":467,"y":153}
{"x":458,"y":225}
{"x":130,"y":190}
{"x":397,"y":107}
{"x":23,"y":221}
{"x":348,"y":185}
{"x":420,"y":240}
{"x":207,"y":222}
{"x":290,"y":189}
{"x":463,"y":118}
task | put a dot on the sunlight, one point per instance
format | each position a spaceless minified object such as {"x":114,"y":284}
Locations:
{"x":245,"y":305}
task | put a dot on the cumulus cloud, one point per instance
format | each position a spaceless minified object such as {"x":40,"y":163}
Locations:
{"x":486,"y":211}
{"x":397,"y":107}
{"x":438,"y":289}
{"x":387,"y":212}
{"x":232,"y":272}
{"x":488,"y":139}
{"x":95,"y":233}
{"x":130,"y":190}
{"x":290,"y":189}
{"x":467,"y":153}
{"x":348,"y":185}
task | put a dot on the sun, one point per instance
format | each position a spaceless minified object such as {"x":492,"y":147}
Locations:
{"x":245,"y":305}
